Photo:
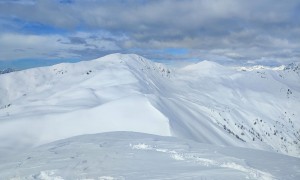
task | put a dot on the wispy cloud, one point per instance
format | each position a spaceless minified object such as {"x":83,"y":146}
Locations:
{"x":24,"y":46}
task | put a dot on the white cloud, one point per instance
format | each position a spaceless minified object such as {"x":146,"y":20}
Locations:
{"x":22,"y":46}
{"x":231,"y":29}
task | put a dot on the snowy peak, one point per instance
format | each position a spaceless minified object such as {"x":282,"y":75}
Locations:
{"x":295,"y":67}
{"x":259,"y":67}
{"x":129,"y":59}
{"x":117,"y":57}
{"x":138,"y":62}
{"x":203,"y":65}
{"x":126,"y":68}
{"x":204,"y":68}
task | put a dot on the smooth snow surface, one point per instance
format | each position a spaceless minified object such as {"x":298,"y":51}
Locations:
{"x":125,"y":155}
{"x":251,"y":107}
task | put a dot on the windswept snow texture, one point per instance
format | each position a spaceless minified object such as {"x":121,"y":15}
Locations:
{"x":125,"y":155}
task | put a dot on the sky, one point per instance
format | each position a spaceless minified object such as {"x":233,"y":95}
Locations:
{"x":45,"y":32}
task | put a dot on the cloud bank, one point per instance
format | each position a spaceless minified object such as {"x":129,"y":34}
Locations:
{"x":238,"y":31}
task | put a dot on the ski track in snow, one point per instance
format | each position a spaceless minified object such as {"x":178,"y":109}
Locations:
{"x":125,"y":155}
{"x":50,"y":175}
{"x":253,"y":173}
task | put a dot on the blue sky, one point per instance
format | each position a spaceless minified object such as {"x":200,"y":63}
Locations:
{"x":45,"y":32}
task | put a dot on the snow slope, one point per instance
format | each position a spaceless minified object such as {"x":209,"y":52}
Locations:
{"x":108,"y":94}
{"x":259,"y":107}
{"x":205,"y":102}
{"x":125,"y":155}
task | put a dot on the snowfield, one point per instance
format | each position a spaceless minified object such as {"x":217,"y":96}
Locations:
{"x":208,"y":106}
{"x":125,"y":155}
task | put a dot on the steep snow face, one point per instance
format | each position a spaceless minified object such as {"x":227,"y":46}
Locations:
{"x":204,"y":102}
{"x":259,"y":107}
{"x":124,"y":155}
{"x":108,"y":94}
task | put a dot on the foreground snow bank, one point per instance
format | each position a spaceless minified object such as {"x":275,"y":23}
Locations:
{"x":125,"y":155}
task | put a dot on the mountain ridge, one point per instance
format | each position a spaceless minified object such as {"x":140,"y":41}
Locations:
{"x":119,"y":92}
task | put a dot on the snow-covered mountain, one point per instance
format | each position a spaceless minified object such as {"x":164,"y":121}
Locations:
{"x":251,"y":107}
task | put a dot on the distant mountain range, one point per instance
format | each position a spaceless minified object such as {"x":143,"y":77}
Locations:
{"x":8,"y":70}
